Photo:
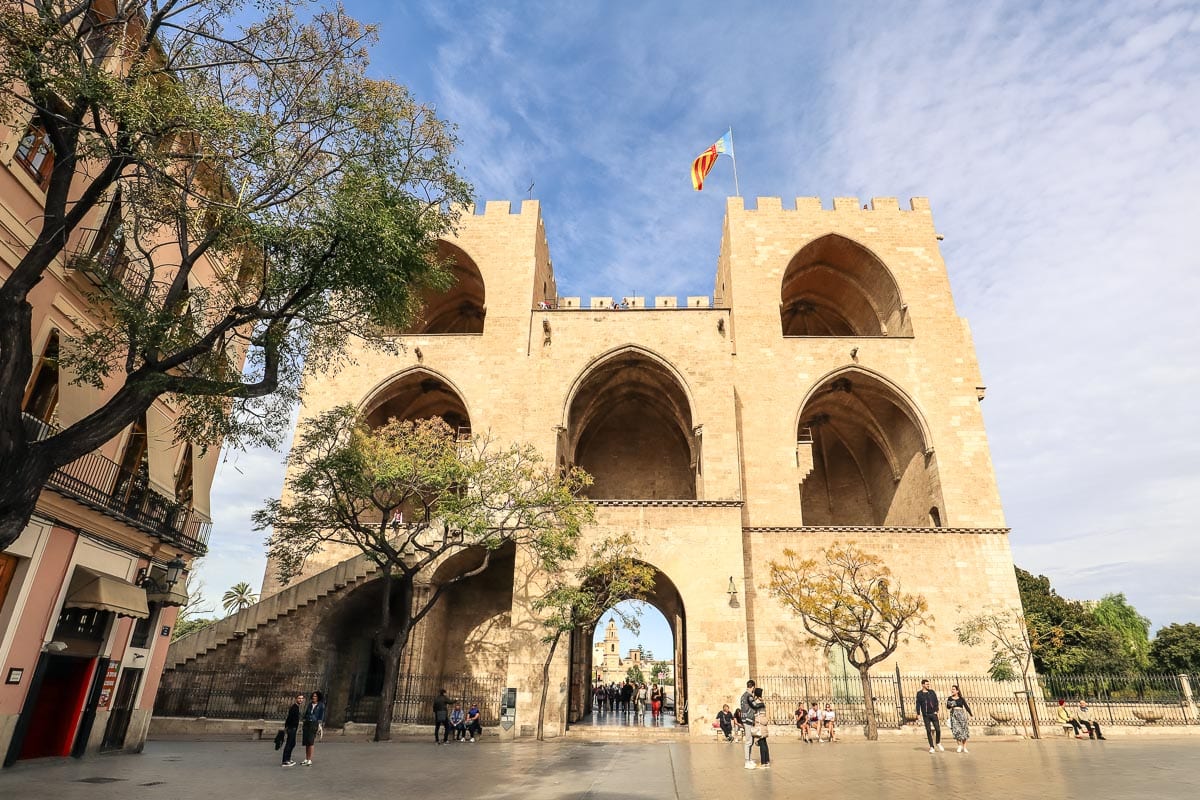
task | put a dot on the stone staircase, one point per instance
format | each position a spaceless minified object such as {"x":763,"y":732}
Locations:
{"x":348,"y":573}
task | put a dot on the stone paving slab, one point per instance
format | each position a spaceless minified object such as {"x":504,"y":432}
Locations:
{"x":1142,"y":768}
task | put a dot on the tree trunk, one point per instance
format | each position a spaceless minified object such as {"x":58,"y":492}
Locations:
{"x":864,"y":675}
{"x":546,"y":686}
{"x":19,"y":492}
{"x":387,"y":698}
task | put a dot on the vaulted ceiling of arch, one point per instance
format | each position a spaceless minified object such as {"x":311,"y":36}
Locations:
{"x":623,"y":381}
{"x":418,"y":396}
{"x":836,"y":273}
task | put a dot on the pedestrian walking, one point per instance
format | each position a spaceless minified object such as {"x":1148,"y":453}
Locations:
{"x":927,"y":707}
{"x":314,"y":726}
{"x":640,"y":699}
{"x":441,"y":717}
{"x":656,"y":701}
{"x":291,"y":725}
{"x":959,"y":711}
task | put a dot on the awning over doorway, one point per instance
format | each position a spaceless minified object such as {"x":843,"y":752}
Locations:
{"x":95,"y":590}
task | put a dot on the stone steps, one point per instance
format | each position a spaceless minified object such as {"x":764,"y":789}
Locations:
{"x":624,"y":733}
{"x":347,"y":573}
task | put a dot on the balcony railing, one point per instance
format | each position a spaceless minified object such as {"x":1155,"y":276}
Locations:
{"x":100,"y":483}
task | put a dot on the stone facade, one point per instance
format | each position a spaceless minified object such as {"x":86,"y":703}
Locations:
{"x":828,"y":392}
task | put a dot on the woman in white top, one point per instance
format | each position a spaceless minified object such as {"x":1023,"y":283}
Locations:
{"x":830,"y":723}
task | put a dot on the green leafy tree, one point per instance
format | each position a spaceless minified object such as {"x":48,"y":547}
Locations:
{"x":849,"y":599}
{"x":346,"y":481}
{"x":1075,"y":640}
{"x":239,"y":596}
{"x":666,"y":670}
{"x":1115,"y":613}
{"x":233,"y":192}
{"x":1176,"y":649}
{"x":610,"y":573}
{"x":634,"y":675}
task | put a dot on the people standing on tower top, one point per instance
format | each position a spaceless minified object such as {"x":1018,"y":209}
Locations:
{"x":927,"y":707}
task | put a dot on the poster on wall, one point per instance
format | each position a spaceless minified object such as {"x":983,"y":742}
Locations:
{"x":110,"y":683}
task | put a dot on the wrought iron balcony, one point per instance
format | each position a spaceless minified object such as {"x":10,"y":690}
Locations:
{"x":100,"y":483}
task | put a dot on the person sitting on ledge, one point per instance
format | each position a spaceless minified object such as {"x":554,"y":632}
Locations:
{"x":457,"y":723}
{"x":1084,"y":715}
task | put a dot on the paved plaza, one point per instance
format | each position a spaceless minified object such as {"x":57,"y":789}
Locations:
{"x":1149,"y":767}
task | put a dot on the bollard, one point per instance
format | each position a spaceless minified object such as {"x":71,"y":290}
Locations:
{"x":1186,"y":700}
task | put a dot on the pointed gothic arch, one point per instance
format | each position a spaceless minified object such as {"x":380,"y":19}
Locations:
{"x":461,"y":308}
{"x":872,"y":456}
{"x":629,"y":424}
{"x":834,"y":286}
{"x":414,"y":394}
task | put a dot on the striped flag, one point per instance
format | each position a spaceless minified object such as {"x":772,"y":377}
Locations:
{"x":704,"y":162}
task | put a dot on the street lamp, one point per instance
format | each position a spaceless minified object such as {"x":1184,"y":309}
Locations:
{"x":175,"y":568}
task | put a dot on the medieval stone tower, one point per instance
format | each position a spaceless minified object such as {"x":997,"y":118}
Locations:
{"x":828,"y":391}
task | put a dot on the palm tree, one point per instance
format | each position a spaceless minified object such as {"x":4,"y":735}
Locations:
{"x":239,"y":597}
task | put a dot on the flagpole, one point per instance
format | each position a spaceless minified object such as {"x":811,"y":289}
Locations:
{"x":733,"y":155}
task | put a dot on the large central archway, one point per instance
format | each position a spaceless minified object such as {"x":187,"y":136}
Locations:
{"x":872,"y":463}
{"x":461,"y":308}
{"x":630,"y":427}
{"x":664,"y":597}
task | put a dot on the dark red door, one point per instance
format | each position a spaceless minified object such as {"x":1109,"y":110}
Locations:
{"x":55,"y":712}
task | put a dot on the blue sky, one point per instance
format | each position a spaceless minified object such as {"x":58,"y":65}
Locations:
{"x":1059,"y":144}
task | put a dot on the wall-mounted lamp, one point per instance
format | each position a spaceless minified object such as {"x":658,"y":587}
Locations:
{"x":732,"y":592}
{"x":54,"y":647}
{"x":175,"y":568}
{"x":419,"y":354}
{"x":854,"y":353}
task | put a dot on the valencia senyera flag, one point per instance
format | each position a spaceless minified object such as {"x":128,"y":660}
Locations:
{"x":704,"y":162}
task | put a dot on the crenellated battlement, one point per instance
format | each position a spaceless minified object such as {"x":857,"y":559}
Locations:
{"x":499,"y":208}
{"x":839,"y":205}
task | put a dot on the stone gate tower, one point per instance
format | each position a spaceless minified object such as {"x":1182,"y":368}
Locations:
{"x":827,"y":391}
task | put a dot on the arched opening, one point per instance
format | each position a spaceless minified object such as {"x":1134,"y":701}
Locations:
{"x":630,"y":427}
{"x":872,"y":464}
{"x":458,"y":309}
{"x":836,"y":287}
{"x":415,"y":395}
{"x":598,"y":658}
{"x":461,"y":645}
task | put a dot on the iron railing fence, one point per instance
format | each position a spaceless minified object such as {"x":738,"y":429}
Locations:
{"x":1134,"y":699}
{"x":101,"y":483}
{"x":1120,"y":699}
{"x":415,"y":695}
{"x":233,"y":693}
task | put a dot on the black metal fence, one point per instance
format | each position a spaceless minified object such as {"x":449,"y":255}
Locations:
{"x":415,"y":695}
{"x":232,"y":694}
{"x":1136,"y":699}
